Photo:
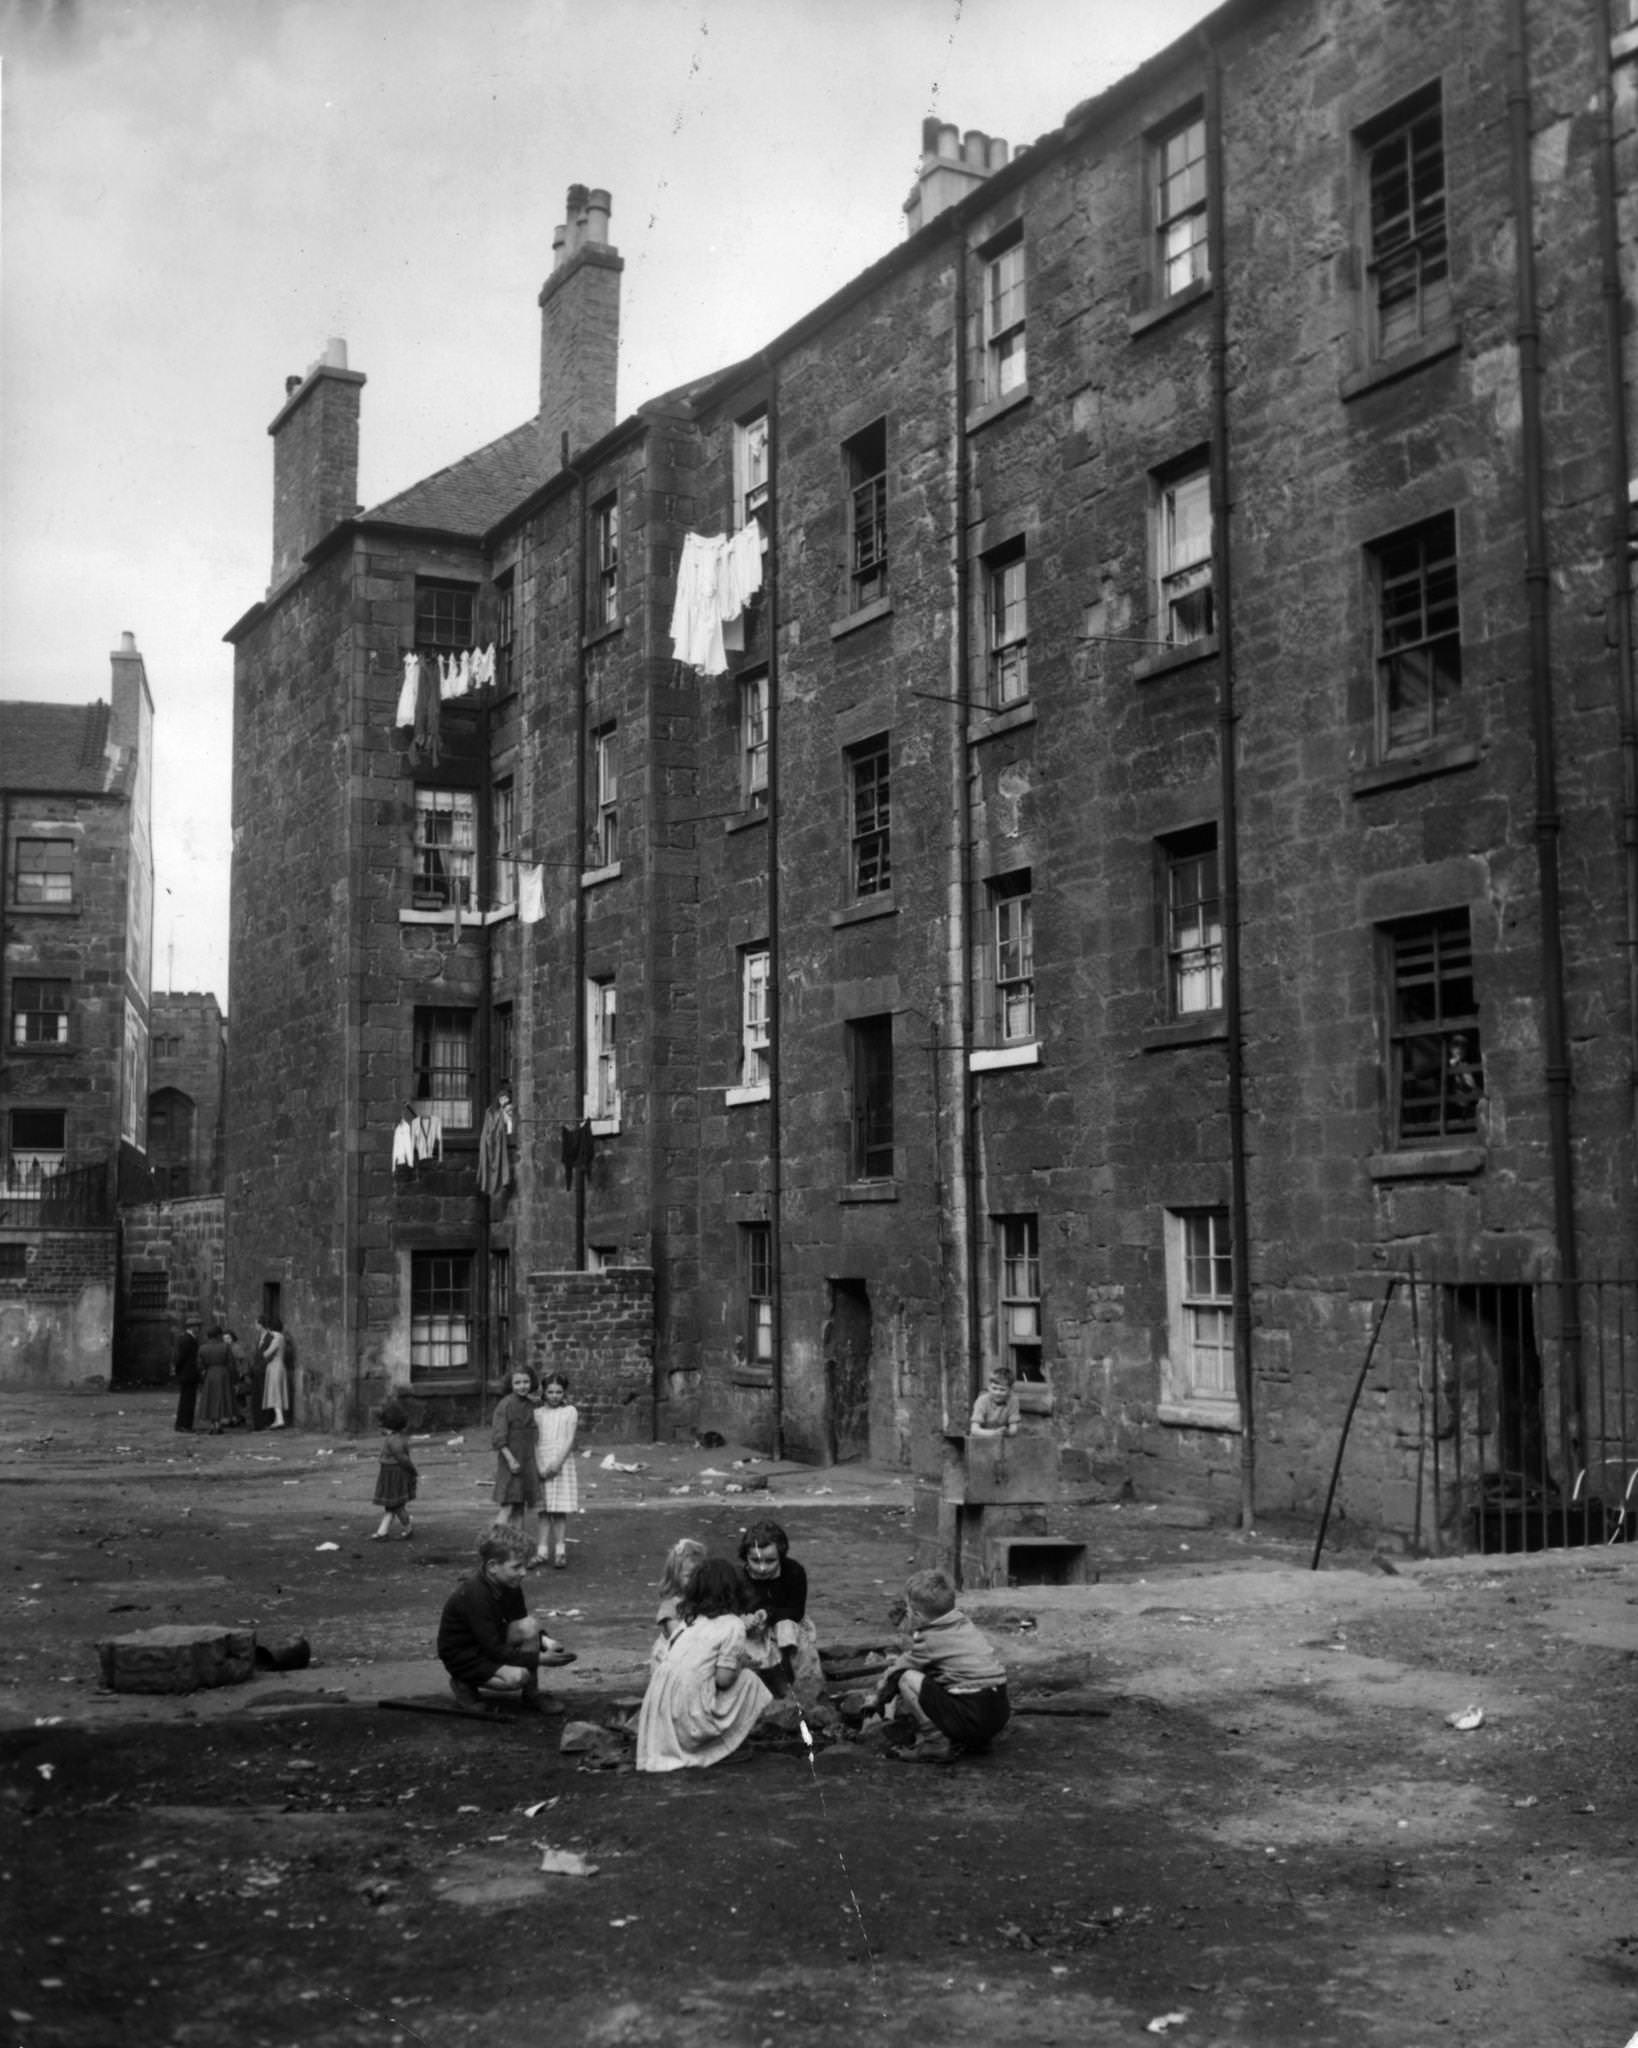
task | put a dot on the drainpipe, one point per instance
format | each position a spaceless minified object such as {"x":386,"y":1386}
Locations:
{"x":578,"y":853}
{"x":353,"y":1116}
{"x":966,"y":1092}
{"x":1227,"y":722}
{"x":776,"y":1169}
{"x":1620,"y":530}
{"x":1548,"y":823}
{"x":483,"y":866}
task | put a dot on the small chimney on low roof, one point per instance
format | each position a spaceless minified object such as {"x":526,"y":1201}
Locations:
{"x":952,"y":164}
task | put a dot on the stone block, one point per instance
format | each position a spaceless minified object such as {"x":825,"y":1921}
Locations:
{"x":176,"y":1658}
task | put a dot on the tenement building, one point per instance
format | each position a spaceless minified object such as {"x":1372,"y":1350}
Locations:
{"x":1076,"y":813}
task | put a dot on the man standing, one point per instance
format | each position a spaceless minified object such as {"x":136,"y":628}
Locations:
{"x":185,"y":1372}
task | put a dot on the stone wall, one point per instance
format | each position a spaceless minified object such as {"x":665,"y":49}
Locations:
{"x":57,"y":1317}
{"x":182,"y":1241}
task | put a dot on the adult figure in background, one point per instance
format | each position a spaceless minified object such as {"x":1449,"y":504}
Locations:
{"x":216,"y":1394}
{"x":185,"y":1372}
{"x":276,"y":1381}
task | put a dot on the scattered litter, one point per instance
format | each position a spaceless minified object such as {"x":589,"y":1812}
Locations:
{"x":539,"y":1806}
{"x":282,"y":1482}
{"x":51,"y":1983}
{"x":1529,"y":1800}
{"x":326,"y":1546}
{"x":629,"y":1921}
{"x":679,"y":1489}
{"x":1467,"y":1720}
{"x":455,"y":1443}
{"x":46,"y":1771}
{"x":324,"y":1454}
{"x":1165,"y":2021}
{"x":821,"y":1489}
{"x":48,"y":1720}
{"x":612,"y":1464}
{"x":566,"y":1863}
{"x":469,"y":1809}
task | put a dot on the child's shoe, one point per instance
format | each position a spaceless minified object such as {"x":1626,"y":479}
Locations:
{"x":931,"y":1748}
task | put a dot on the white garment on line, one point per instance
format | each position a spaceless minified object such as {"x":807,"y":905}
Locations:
{"x":531,"y":893}
{"x":427,"y":1138}
{"x":407,"y":690}
{"x":403,"y":1144}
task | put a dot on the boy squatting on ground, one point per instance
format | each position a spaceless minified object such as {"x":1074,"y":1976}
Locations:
{"x":487,"y":1638}
{"x":951,"y":1689}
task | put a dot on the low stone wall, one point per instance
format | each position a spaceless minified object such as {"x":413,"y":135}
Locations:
{"x":57,"y":1316}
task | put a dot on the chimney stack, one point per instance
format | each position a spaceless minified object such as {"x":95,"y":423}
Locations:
{"x":315,"y":457}
{"x":131,"y":707}
{"x":579,"y":329}
{"x":952,"y":164}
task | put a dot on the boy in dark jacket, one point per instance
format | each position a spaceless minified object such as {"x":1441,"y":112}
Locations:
{"x":488,"y":1641}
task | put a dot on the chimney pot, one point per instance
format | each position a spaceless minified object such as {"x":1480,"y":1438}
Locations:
{"x":292,"y":383}
{"x":598,"y":208}
{"x":949,"y":140}
{"x":127,"y":643}
{"x":975,"y":149}
{"x":335,"y":353}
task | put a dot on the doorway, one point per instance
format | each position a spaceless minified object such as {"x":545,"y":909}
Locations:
{"x":848,"y":1347}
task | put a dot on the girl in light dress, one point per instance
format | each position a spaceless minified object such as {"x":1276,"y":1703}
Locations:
{"x":555,"y":1424}
{"x":702,"y":1699}
{"x":682,"y":1563}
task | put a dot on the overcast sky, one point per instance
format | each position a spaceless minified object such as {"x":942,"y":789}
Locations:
{"x":196,"y":194}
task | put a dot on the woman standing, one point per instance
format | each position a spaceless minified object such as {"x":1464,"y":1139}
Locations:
{"x":275,"y":1384}
{"x":216,"y":1395}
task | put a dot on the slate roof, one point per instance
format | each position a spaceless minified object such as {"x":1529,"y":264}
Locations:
{"x":472,"y":494}
{"x":56,"y":747}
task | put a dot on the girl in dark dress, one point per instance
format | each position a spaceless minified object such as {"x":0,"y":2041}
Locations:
{"x":397,"y":1479}
{"x":517,"y":1478}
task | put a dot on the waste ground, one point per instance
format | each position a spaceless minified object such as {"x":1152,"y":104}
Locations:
{"x":1233,"y":1813}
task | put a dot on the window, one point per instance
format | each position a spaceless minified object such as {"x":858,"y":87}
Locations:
{"x":866,"y":457}
{"x":1194,"y":923}
{"x":1418,"y":634}
{"x":505,"y":632}
{"x":171,"y":1119}
{"x":38,"y":1145}
{"x":605,"y":827}
{"x":440,"y":1313}
{"x":443,"y":615}
{"x":871,"y":1048}
{"x":1179,"y":169}
{"x":1018,"y":1248}
{"x":754,"y":1069}
{"x":750,"y":468}
{"x":602,"y":1050}
{"x":503,"y":844}
{"x":500,"y":1315}
{"x":44,"y":871}
{"x":1437,"y":1077}
{"x":443,"y":1066}
{"x":39,"y":1013}
{"x":1013,"y":921}
{"x":1200,"y":1291}
{"x":756,"y":1262}
{"x":149,"y":1293}
{"x":500,"y":1045}
{"x":753,"y":740}
{"x":1409,"y":261}
{"x":605,"y":563}
{"x":1183,"y":554}
{"x":446,"y":841}
{"x":870,"y":817}
{"x":1005,"y":364}
{"x":1006,"y":626}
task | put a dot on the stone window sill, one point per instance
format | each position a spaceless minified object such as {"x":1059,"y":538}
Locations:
{"x":590,"y":877}
{"x":1443,"y":341}
{"x":1179,"y":302}
{"x":57,"y":1051}
{"x":447,"y":917}
{"x":433,"y":1390}
{"x":745,"y":824}
{"x":866,"y":615}
{"x":599,"y":634}
{"x":996,"y":408}
{"x":733,"y":1097}
{"x":745,"y":1377}
{"x":1438,"y":1162}
{"x":998,"y":722}
{"x":43,"y":910}
{"x":1174,"y":658}
{"x":869,"y":1191}
{"x":991,"y":1058}
{"x":1200,"y":1415}
{"x":1394,"y":774}
{"x":862,"y":913}
{"x":604,"y":1126}
{"x":1211,"y":1028}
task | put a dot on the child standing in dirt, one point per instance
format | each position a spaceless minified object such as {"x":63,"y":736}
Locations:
{"x":398,"y":1478}
{"x":555,"y":1425}
{"x":682,"y":1564}
{"x":950,"y":1689}
{"x":512,"y":1436}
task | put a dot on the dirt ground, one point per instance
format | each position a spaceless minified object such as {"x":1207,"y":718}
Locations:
{"x":1230,"y":1810}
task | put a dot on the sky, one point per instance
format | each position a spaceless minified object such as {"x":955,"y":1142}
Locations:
{"x":195,"y":195}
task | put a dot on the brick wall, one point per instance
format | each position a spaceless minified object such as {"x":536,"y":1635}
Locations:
{"x":599,"y":1329}
{"x":57,"y":1321}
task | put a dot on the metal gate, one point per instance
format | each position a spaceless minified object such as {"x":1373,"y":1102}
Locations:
{"x":1530,"y":1398}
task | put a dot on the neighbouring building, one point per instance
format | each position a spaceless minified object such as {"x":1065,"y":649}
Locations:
{"x":1148,"y":898}
{"x":76,"y":943}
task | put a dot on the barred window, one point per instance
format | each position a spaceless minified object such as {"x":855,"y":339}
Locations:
{"x":756,"y":1261}
{"x":1409,"y":264}
{"x":446,"y":842}
{"x":441,"y":1315}
{"x":871,"y":816}
{"x":1437,"y":1079}
{"x":443,"y":1066}
{"x":866,"y":456}
{"x":871,"y":1050}
{"x":1419,"y":638}
{"x":1018,"y":1249}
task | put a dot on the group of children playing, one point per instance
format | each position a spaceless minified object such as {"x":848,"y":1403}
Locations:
{"x":730,"y":1639}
